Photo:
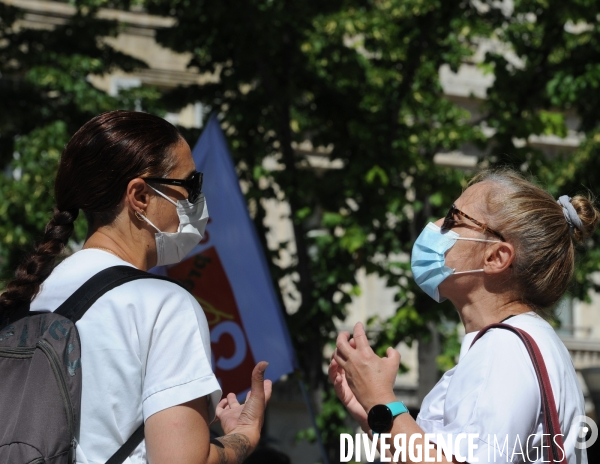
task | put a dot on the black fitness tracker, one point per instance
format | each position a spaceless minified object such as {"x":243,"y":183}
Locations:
{"x":381,"y":416}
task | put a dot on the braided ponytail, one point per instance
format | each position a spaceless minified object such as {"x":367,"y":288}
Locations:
{"x":37,"y":265}
{"x":103,"y":156}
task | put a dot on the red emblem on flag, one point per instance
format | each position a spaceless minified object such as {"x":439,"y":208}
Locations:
{"x":205,"y":278}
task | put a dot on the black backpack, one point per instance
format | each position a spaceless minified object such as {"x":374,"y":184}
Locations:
{"x":40,"y":378}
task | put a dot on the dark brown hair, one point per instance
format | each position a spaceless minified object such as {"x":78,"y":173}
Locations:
{"x":94,"y":170}
{"x":532,"y":220}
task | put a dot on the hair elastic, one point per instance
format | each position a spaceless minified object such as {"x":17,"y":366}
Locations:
{"x":570,"y":213}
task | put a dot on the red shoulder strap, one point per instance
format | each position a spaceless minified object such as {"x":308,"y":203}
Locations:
{"x":554,"y":439}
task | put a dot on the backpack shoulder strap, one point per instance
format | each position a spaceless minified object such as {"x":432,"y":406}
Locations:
{"x":553,"y":436}
{"x":85,"y":296}
{"x":127,"y":448}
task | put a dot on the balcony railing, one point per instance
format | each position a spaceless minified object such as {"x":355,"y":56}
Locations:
{"x":584,"y":352}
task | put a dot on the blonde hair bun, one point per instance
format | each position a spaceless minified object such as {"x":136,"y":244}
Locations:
{"x":588,"y":214}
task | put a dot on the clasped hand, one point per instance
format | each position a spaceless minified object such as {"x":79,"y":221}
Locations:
{"x":362,"y":379}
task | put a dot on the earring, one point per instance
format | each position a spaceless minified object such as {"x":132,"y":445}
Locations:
{"x":140,"y":216}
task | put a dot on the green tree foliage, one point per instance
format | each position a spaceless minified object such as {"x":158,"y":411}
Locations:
{"x":45,"y":96}
{"x":547,"y":83}
{"x":359,"y":80}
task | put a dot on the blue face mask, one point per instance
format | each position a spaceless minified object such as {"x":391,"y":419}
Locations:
{"x":428,"y":260}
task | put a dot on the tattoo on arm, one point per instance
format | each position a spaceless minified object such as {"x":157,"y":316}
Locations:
{"x":220,"y":450}
{"x":222,"y":455}
{"x":239,"y":443}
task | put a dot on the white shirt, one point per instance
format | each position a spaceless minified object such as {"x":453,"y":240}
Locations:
{"x":145,"y":347}
{"x":493,"y":392}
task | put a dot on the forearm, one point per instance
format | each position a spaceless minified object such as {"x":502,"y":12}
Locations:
{"x":363,"y":379}
{"x":406,"y":425}
{"x":230,"y":449}
{"x":404,"y":429}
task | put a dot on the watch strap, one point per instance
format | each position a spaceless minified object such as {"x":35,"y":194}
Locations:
{"x":397,"y":408}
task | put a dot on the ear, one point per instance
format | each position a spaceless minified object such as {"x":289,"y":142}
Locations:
{"x":137,"y":196}
{"x":498,"y":258}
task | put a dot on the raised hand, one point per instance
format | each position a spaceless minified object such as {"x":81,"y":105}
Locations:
{"x":369,"y":377}
{"x":229,"y":411}
{"x":337,"y":377}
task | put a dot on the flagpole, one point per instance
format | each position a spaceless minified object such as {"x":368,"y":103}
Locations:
{"x":311,"y":413}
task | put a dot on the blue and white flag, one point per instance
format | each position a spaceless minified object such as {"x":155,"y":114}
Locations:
{"x":228,"y":274}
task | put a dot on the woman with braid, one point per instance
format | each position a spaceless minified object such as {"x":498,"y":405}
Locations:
{"x":145,"y":345}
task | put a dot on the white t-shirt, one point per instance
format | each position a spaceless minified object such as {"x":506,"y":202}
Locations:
{"x":145,"y":347}
{"x":493,"y":392}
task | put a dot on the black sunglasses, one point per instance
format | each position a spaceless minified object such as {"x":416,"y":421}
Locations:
{"x":450,"y":222}
{"x":192,"y":184}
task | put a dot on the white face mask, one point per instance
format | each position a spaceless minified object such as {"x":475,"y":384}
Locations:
{"x":172,"y":247}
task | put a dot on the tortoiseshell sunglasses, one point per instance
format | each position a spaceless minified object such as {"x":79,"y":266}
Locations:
{"x":450,"y":222}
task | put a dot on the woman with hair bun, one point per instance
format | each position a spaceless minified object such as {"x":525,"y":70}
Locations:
{"x":145,"y":345}
{"x":503,"y":255}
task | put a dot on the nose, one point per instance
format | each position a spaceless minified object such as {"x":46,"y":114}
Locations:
{"x":439,"y":222}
